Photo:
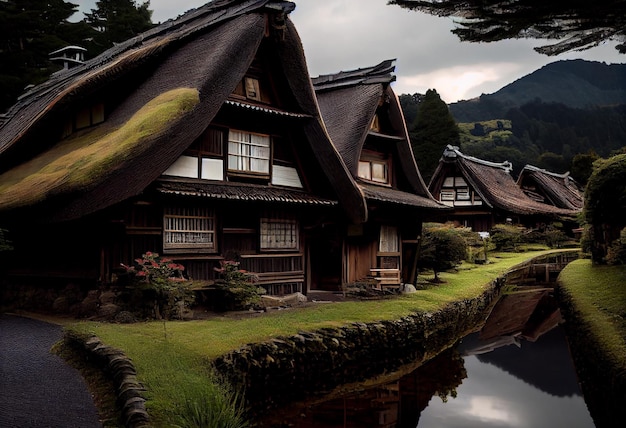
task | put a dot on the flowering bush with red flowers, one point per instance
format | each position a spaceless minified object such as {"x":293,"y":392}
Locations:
{"x":162,"y":280}
{"x":237,"y":286}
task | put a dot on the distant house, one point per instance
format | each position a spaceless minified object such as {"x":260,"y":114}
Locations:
{"x":200,"y":139}
{"x":366,"y":125}
{"x":484,"y":193}
{"x":560,"y":190}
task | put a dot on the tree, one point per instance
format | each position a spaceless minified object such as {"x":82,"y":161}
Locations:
{"x":118,"y":20}
{"x":432,"y":130}
{"x":442,"y":248}
{"x":579,"y":24}
{"x":582,"y":166}
{"x":29,"y":31}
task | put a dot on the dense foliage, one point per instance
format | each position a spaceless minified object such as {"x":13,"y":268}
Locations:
{"x":432,"y":128}
{"x":116,"y":21}
{"x":31,"y":29}
{"x":237,"y":287}
{"x":578,"y":24}
{"x":605,"y":206}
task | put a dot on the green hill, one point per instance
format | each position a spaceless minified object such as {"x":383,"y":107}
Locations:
{"x":577,"y":84}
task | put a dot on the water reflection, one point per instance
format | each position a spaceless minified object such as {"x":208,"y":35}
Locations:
{"x":515,"y":372}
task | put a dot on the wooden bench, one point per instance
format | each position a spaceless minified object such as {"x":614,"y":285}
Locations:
{"x":386,"y":278}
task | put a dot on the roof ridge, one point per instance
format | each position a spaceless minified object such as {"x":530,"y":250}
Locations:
{"x":376,"y":74}
{"x":545,"y":171}
{"x":452,"y":152}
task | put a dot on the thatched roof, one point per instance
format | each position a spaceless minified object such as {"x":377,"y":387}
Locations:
{"x":493,"y":182}
{"x":560,"y":190}
{"x":206,"y":51}
{"x":349,"y":101}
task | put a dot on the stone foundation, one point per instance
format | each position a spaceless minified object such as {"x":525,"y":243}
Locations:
{"x":294,"y":367}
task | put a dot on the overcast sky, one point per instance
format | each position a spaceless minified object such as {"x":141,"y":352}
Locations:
{"x":347,"y":34}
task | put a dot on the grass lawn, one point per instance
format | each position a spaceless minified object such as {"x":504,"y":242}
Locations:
{"x":173,"y":357}
{"x":599,"y":293}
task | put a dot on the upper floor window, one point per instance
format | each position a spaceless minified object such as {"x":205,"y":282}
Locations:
{"x":374,"y":170}
{"x":248,"y":152}
{"x":203,"y":159}
{"x":188,"y":229}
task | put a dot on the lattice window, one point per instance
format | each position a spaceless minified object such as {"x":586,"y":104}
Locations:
{"x":189,"y":228}
{"x":248,"y":152}
{"x":279,"y":233}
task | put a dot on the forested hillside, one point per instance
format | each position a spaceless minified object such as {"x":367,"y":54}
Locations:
{"x":560,"y":118}
{"x":575,"y":83}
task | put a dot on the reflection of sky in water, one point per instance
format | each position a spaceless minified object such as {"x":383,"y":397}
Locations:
{"x":490,"y":397}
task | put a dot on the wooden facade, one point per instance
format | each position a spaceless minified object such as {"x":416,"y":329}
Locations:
{"x":484,"y":193}
{"x":366,"y":125}
{"x":170,"y":143}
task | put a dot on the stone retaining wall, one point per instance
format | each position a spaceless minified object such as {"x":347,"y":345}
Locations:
{"x":287,"y":369}
{"x":118,"y":367}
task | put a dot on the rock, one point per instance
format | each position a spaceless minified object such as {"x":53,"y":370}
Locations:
{"x":125,"y":317}
{"x":287,"y":300}
{"x":408,"y":289}
{"x":108,"y":311}
{"x":61,"y":305}
{"x":107,"y":297}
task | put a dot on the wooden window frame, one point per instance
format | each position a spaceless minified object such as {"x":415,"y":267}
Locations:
{"x":241,"y":155}
{"x":277,"y":227}
{"x":192,"y":222}
{"x":368,"y":161}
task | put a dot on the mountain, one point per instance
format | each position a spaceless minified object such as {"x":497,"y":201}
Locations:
{"x":576,"y":84}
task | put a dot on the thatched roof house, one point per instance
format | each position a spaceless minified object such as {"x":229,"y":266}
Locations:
{"x":200,"y":138}
{"x":484,"y":193}
{"x":560,"y":190}
{"x":81,"y":136}
{"x":365,"y":122}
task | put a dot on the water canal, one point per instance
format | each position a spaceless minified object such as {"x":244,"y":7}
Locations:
{"x":513,"y":371}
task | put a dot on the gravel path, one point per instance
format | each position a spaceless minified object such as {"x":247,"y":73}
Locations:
{"x":38,"y":389}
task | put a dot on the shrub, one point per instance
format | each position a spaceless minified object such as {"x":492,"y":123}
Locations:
{"x":505,"y":237}
{"x":237,"y":287}
{"x":161,"y":281}
{"x":616,"y":253}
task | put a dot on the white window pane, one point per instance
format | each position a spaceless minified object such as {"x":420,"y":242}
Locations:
{"x":364,"y":170}
{"x":285,"y":176}
{"x":379,"y":172}
{"x":184,"y":166}
{"x":212,"y":169}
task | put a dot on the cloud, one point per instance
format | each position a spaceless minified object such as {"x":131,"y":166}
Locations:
{"x":347,"y":34}
{"x":455,"y":83}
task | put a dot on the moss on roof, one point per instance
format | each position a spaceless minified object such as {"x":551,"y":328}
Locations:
{"x":84,"y":159}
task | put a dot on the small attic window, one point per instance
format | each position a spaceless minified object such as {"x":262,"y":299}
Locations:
{"x":84,"y":118}
{"x":252,"y":88}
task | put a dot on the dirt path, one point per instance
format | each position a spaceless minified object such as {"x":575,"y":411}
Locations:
{"x":37,"y":388}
